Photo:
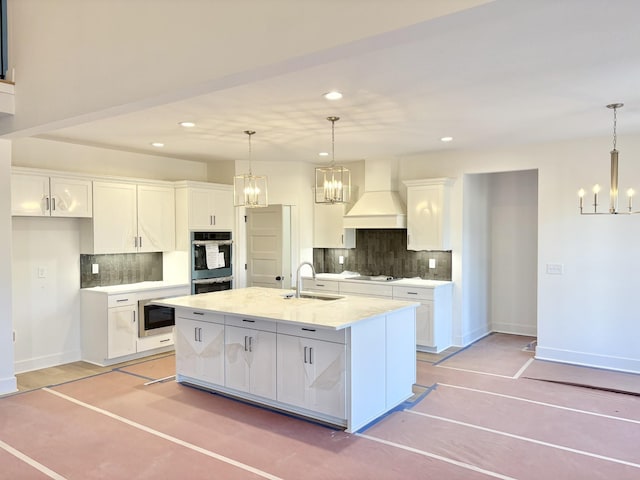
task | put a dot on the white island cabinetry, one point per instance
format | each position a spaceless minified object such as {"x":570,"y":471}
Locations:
{"x":250,"y":356}
{"x":200,"y":345}
{"x":344,"y":361}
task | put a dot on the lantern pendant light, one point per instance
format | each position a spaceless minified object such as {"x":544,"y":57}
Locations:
{"x":250,"y":190}
{"x":333,"y":183}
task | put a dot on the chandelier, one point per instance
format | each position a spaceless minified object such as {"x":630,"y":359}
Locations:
{"x":613,"y":192}
{"x":333,"y":183}
{"x":250,"y":190}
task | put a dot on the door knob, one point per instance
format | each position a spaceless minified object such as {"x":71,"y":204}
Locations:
{"x":278,"y":278}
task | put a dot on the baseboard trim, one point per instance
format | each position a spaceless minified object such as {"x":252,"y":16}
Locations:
{"x":515,"y":329}
{"x":8,"y":385}
{"x":608,"y":362}
{"x":46,"y":361}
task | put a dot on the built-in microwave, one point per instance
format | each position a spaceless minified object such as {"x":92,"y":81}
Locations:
{"x":154,"y":319}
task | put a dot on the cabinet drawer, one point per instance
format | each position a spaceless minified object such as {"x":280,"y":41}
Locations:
{"x":366,"y":289}
{"x":307,"y":331}
{"x":195,"y":314}
{"x":121,"y":300}
{"x":413,"y":293}
{"x":320,"y":285}
{"x":252,"y":323}
{"x":155,"y":341}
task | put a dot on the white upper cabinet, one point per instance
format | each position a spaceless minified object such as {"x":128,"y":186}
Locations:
{"x":202,"y":206}
{"x":130,"y":218}
{"x":328,"y":229}
{"x":428,"y":212}
{"x":41,"y":195}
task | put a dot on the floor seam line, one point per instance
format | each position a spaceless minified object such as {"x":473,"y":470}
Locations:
{"x":527,"y":439}
{"x":30,"y":461}
{"x":165,"y":436}
{"x":545,"y":404}
{"x":435,"y":456}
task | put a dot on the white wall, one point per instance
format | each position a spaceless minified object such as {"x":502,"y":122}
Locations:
{"x":514,"y":252}
{"x":47,"y":154}
{"x":7,"y":377}
{"x":46,"y":311}
{"x":590,"y":314}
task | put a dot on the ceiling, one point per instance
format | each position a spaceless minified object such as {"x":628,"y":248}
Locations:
{"x":502,"y":74}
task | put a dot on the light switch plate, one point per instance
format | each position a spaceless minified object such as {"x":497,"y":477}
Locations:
{"x":432,"y":263}
{"x":555,"y":268}
{"x":95,"y":268}
{"x":341,"y":260}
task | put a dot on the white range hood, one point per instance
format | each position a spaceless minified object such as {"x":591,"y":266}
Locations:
{"x":379,"y":206}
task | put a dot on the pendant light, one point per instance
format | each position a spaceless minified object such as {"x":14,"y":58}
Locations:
{"x":613,"y":191}
{"x":333,"y":183}
{"x":250,"y":190}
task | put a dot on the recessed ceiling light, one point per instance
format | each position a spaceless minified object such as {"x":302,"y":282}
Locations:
{"x":157,"y":144}
{"x":324,"y":154}
{"x":446,"y":139}
{"x":187,"y":124}
{"x":333,"y":95}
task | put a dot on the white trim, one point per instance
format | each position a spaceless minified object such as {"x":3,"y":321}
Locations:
{"x":515,"y":329}
{"x":586,"y":359}
{"x":46,"y":361}
{"x":8,"y":385}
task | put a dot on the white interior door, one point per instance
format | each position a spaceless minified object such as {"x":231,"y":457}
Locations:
{"x":266,"y":229}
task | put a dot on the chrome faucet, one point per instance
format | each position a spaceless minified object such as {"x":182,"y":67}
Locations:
{"x":299,"y":278}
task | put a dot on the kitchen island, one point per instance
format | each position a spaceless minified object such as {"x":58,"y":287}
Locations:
{"x":340,"y":360}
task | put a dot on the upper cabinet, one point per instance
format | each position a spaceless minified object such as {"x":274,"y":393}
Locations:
{"x":202,"y":206}
{"x":41,"y":195}
{"x":328,"y":229}
{"x":428,"y":214}
{"x":130,"y":218}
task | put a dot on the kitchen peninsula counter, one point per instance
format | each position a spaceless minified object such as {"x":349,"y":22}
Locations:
{"x":344,"y":362}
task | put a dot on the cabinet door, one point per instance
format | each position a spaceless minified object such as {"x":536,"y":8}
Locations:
{"x":200,"y":350}
{"x":328,"y":231}
{"x":250,"y":361}
{"x":200,"y":214}
{"x":122,"y":331}
{"x":222,"y":209}
{"x":156,"y":218}
{"x":424,"y":324}
{"x":428,"y":216}
{"x":311,"y":374}
{"x":71,"y":197}
{"x":114,"y":218}
{"x":29,"y":195}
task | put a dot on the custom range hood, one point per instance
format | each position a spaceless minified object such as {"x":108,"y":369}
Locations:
{"x":379,"y":206}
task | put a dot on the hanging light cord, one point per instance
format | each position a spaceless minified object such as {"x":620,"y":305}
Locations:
{"x":249,"y":132}
{"x":615,"y":121}
{"x":333,"y":121}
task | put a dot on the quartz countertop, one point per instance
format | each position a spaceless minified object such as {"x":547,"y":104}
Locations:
{"x":405,"y":282}
{"x":275,"y":304}
{"x":137,"y":287}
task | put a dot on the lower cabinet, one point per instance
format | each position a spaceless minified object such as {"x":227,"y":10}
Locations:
{"x":122,"y":330}
{"x":250,"y":359}
{"x":200,"y":348}
{"x":311,"y":374}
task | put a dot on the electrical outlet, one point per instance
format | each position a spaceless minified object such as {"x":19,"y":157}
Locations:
{"x":42,"y":272}
{"x":95,"y":268}
{"x":432,"y":263}
{"x":341,"y":259}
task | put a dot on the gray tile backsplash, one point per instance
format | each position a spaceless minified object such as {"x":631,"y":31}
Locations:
{"x":383,"y":252}
{"x":120,"y":269}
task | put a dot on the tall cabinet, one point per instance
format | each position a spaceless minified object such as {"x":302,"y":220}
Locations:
{"x":428,"y":214}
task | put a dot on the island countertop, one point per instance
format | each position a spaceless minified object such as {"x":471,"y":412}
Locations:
{"x":275,"y":304}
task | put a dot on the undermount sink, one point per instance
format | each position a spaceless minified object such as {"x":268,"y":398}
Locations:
{"x":314,"y":296}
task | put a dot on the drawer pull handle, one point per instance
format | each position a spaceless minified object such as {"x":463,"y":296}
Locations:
{"x":123,"y":300}
{"x":308,"y":329}
{"x":198,"y":313}
{"x":250,"y":321}
{"x":165,"y":340}
{"x":320,"y":285}
{"x":412,"y":293}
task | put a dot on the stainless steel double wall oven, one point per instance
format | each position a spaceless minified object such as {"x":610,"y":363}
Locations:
{"x":211,"y":261}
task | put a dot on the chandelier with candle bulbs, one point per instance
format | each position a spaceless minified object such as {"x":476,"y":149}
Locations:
{"x":613,"y":191}
{"x":250,"y":190}
{"x":333,"y":183}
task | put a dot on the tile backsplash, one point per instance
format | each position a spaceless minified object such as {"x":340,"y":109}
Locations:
{"x":383,"y":252}
{"x":119,"y":269}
